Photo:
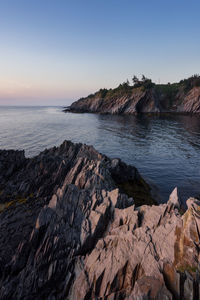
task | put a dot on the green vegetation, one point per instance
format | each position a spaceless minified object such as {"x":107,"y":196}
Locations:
{"x":168,"y":91}
{"x":123,"y":89}
{"x":188,"y":268}
{"x":189,"y":83}
{"x":16,"y":201}
{"x":182,"y":211}
{"x":139,"y":190}
{"x":145,"y":82}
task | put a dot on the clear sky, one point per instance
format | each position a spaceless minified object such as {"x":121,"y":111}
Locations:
{"x":55,"y":51}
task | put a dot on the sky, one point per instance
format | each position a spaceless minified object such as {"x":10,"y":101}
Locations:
{"x":53,"y":52}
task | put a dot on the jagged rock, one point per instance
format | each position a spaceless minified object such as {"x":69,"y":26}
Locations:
{"x":150,"y":288}
{"x":140,"y":100}
{"x":174,"y":199}
{"x":191,"y":101}
{"x":80,"y":237}
{"x":188,"y":287}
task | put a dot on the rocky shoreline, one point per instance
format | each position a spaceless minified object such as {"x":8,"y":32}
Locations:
{"x":143,"y":97}
{"x":78,"y":225}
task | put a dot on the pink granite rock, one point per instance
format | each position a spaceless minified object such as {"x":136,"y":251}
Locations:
{"x":81,"y":237}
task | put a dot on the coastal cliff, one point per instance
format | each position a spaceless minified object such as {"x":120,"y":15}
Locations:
{"x":78,"y":225}
{"x":143,"y":97}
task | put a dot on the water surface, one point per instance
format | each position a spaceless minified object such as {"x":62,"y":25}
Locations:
{"x":165,"y":149}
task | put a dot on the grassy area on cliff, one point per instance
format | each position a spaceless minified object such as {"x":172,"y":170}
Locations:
{"x":169,"y":89}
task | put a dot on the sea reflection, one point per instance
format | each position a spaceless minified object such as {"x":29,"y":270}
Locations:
{"x":165,"y":148}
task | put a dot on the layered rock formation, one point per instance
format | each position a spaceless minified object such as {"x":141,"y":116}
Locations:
{"x":158,"y":99}
{"x":70,"y":231}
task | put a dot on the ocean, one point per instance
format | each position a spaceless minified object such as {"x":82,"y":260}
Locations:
{"x":165,"y":148}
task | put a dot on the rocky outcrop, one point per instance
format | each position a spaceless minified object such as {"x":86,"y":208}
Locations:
{"x":73,"y":232}
{"x":191,"y":101}
{"x":158,"y":99}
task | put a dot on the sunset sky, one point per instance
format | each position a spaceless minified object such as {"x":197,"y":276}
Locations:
{"x":55,"y":51}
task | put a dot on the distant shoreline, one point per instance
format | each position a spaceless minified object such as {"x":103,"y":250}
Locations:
{"x":143,"y":97}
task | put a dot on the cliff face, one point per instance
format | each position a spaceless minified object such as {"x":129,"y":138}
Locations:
{"x":69,"y":230}
{"x":157,"y":99}
{"x":191,"y":101}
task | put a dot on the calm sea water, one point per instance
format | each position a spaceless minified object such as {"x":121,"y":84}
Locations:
{"x":165,"y":149}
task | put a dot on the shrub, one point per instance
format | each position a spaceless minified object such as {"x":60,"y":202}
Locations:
{"x":191,"y":82}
